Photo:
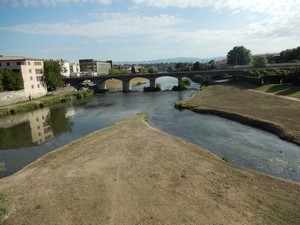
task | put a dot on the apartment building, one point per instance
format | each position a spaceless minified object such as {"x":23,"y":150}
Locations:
{"x":31,"y":69}
{"x":91,"y":67}
{"x":74,"y":70}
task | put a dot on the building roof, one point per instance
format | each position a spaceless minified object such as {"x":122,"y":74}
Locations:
{"x":221,"y":62}
{"x":17,"y":58}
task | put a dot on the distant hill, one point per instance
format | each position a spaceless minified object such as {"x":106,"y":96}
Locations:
{"x":170,"y":60}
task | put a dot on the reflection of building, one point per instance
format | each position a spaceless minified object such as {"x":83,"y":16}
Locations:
{"x":70,"y":112}
{"x":40,"y":125}
{"x":30,"y":69}
{"x":27,"y":129}
{"x":93,"y":67}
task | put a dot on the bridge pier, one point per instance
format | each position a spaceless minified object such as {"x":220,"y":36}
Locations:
{"x":152,"y":82}
{"x":126,"y":85}
{"x":180,"y":83}
{"x":101,"y":85}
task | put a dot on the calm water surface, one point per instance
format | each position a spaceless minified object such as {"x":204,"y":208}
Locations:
{"x":26,"y":137}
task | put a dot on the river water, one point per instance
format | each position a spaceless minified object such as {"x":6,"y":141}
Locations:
{"x":26,"y":137}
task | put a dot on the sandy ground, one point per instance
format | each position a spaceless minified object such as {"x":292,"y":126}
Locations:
{"x":132,"y":173}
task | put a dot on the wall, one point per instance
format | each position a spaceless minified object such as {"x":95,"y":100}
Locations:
{"x":10,"y":97}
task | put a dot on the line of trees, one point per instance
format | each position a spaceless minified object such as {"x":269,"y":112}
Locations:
{"x":240,"y":55}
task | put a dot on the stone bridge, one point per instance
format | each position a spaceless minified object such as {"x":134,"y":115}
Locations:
{"x":125,"y":78}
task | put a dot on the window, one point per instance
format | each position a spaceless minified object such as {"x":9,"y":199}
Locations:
{"x":16,"y":70}
{"x":0,"y":64}
{"x":32,"y":86}
{"x":29,"y":63}
{"x":47,"y":130}
{"x":31,"y":78}
{"x":38,"y":86}
{"x":8,"y":63}
{"x":19,"y":63}
{"x":37,"y":63}
{"x":29,"y":70}
{"x":38,"y":71}
{"x":39,"y":78}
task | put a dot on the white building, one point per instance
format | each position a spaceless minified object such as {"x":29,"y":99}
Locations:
{"x":31,"y":69}
{"x":65,"y":68}
{"x":74,"y":70}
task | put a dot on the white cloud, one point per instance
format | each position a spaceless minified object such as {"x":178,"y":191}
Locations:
{"x":108,"y":24}
{"x":27,"y":3}
{"x":270,"y":7}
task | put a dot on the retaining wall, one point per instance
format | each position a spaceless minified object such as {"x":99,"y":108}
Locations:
{"x":10,"y":97}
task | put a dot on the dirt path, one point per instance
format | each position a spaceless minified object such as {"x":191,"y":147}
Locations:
{"x":132,"y":173}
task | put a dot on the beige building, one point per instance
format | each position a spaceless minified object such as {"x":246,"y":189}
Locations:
{"x":31,"y":70}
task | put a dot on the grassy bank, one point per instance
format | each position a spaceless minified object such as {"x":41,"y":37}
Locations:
{"x":42,"y":102}
{"x":281,"y":89}
{"x":113,"y":177}
{"x":277,"y":115}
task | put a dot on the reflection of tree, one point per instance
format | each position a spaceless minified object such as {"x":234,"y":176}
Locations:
{"x":16,"y":137}
{"x":59,"y":122}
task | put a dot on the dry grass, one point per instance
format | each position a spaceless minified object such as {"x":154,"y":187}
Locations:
{"x":117,"y":84}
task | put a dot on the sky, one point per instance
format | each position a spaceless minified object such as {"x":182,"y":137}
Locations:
{"x":137,"y":30}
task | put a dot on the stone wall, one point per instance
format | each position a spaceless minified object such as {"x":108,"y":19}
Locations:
{"x":10,"y":97}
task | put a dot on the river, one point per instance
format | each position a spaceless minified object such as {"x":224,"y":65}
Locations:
{"x":26,"y":137}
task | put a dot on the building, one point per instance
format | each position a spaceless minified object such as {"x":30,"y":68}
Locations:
{"x":65,"y":68}
{"x":91,"y":67}
{"x":221,"y":64}
{"x":74,"y":70}
{"x":31,"y":70}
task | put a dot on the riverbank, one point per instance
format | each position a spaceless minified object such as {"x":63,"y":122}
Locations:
{"x":62,"y":95}
{"x":275,"y":114}
{"x":113,"y":177}
{"x":33,"y":104}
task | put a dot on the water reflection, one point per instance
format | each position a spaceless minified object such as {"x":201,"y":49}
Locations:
{"x":34,"y":128}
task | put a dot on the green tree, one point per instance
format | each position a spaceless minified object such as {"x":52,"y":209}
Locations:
{"x":52,"y":73}
{"x":196,"y":66}
{"x":260,"y":61}
{"x":114,"y":71}
{"x":290,"y":55}
{"x":239,"y":55}
{"x":152,"y":69}
{"x":11,"y":81}
{"x":1,"y":86}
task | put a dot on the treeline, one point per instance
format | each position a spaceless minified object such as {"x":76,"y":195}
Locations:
{"x":10,"y":81}
{"x":288,"y":55}
{"x":178,"y":67}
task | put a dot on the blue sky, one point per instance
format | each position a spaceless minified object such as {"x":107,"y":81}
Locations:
{"x":133,"y":30}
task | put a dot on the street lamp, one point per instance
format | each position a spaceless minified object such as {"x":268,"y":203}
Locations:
{"x":236,"y":55}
